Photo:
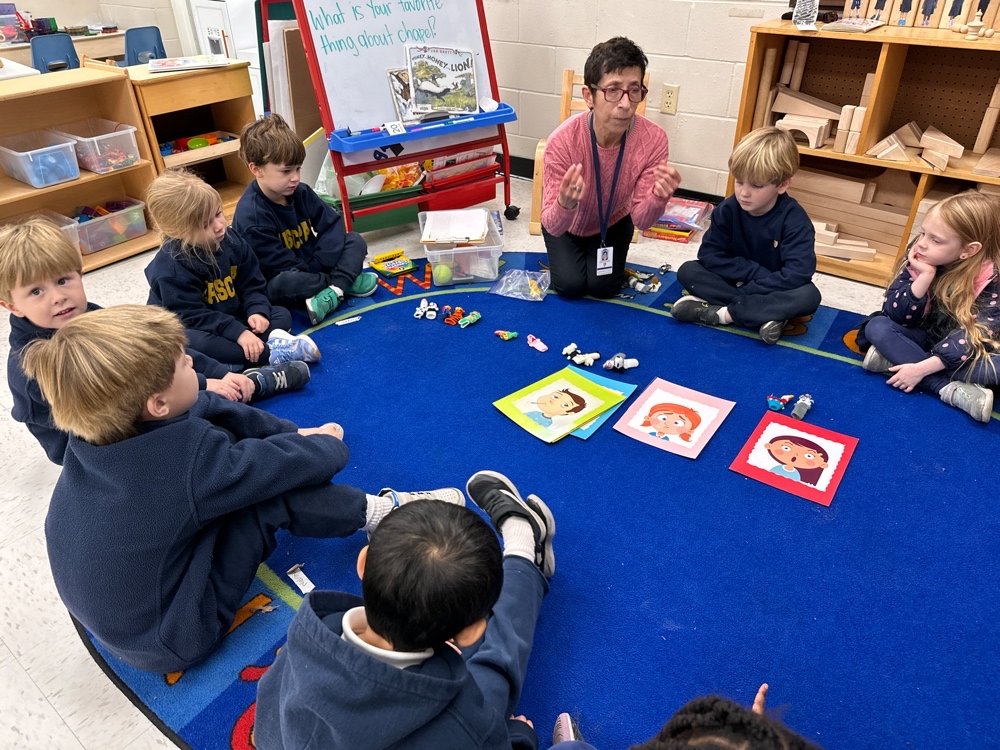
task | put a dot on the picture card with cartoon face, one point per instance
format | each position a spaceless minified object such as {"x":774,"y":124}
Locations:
{"x":674,"y":418}
{"x":554,"y":406}
{"x":796,"y":457}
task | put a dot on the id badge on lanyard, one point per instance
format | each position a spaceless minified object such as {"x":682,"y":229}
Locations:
{"x":605,"y":254}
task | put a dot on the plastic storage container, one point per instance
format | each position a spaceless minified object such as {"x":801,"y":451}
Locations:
{"x":69,"y":227}
{"x":452,"y":264}
{"x":40,"y":159}
{"x":101,"y":145}
{"x":125,"y":221}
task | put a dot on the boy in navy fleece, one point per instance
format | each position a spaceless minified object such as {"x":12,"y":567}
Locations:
{"x":756,"y":261}
{"x":169,"y":497}
{"x":305,"y":253}
{"x":42,"y":287}
{"x":387,"y":671}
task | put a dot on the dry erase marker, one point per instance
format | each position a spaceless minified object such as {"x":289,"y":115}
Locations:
{"x":366,"y":130}
{"x":442,"y":124}
{"x":345,"y":321}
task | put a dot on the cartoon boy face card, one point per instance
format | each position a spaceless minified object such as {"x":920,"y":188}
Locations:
{"x":796,"y":457}
{"x":554,"y":406}
{"x":674,"y":418}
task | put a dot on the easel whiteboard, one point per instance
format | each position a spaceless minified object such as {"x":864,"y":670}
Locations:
{"x":357,"y":41}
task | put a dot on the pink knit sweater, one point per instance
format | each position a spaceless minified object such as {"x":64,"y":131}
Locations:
{"x":645,"y":147}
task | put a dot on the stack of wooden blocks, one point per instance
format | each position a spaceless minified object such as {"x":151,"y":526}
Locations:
{"x":849,"y":225}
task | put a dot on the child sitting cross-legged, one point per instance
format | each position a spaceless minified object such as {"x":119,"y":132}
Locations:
{"x":387,"y":670}
{"x":41,"y":284}
{"x":306,"y":254}
{"x":939,"y":329}
{"x":209,"y":276}
{"x":170,"y":498}
{"x":757,"y":259}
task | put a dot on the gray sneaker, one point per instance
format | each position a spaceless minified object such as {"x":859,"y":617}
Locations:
{"x":273,"y":379}
{"x":497,"y":495}
{"x":974,"y":400}
{"x":689,"y":309}
{"x":771,"y":331}
{"x":875,"y":362}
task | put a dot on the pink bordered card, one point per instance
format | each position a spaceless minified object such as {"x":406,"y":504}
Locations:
{"x":796,"y":457}
{"x":674,"y":418}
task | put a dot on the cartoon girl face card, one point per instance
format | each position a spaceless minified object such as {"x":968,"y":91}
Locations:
{"x":554,"y":406}
{"x":796,"y":457}
{"x":674,"y":418}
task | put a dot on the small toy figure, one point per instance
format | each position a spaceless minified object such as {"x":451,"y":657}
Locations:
{"x":569,"y":350}
{"x":469,"y":319}
{"x":585,"y":359}
{"x":802,"y":406}
{"x":620,"y":362}
{"x":536,"y":343}
{"x":665,"y":267}
{"x":421,"y":309}
{"x":456,"y":315}
{"x":778,"y":403}
{"x":506,"y":335}
{"x":432,"y":311}
{"x":534,"y":289}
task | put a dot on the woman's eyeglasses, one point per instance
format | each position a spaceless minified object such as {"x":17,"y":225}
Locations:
{"x":613,"y":94}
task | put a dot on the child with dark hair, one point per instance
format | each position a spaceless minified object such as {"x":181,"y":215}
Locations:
{"x":387,"y":670}
{"x":305,"y":253}
{"x":798,"y":458}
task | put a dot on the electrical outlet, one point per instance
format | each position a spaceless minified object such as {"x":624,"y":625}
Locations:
{"x":668,"y":99}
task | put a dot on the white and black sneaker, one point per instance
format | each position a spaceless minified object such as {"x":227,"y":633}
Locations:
{"x":974,"y":400}
{"x":274,"y":379}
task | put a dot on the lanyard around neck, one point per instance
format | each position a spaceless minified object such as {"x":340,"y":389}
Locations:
{"x":604,"y":217}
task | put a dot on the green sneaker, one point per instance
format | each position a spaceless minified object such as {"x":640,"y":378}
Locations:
{"x":365,"y":285}
{"x":321,"y":305}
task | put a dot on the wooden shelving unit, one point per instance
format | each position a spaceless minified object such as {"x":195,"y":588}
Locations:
{"x":38,"y":102}
{"x":932,"y":76}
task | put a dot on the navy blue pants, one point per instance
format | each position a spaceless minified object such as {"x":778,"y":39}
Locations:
{"x":901,"y":345}
{"x":750,"y":310}
{"x":228,"y":352}
{"x":573,"y":261}
{"x":293,"y":286}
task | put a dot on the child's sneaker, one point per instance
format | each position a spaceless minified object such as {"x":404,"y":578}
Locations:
{"x":771,"y":331}
{"x":875,"y":362}
{"x":364,"y":286}
{"x":689,"y":309}
{"x":321,"y":304}
{"x":273,"y":379}
{"x":974,"y":400}
{"x":288,"y":348}
{"x":497,"y":495}
{"x":565,"y":729}
{"x":451,"y":495}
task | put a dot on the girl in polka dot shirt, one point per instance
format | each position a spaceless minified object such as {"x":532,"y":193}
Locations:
{"x":939,"y":331}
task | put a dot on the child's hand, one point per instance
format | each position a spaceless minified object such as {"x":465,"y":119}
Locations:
{"x":666,"y":180}
{"x":227,"y":390}
{"x":258,"y":323}
{"x":252,"y":346}
{"x":242,"y":383}
{"x":918,"y":265}
{"x":760,"y":699}
{"x":330,"y":428}
{"x":572,"y":188}
{"x":906,"y":376}
{"x":523,"y":718}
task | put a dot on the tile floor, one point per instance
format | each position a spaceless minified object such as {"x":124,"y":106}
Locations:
{"x":53,"y":695}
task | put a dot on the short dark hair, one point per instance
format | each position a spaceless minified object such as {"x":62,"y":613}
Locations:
{"x":714,"y":723}
{"x":615,"y":54}
{"x":433,"y":569}
{"x":270,"y":140}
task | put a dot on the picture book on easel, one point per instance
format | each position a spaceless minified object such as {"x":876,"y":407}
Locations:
{"x":442,"y":78}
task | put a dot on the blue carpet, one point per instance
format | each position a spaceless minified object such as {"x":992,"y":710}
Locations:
{"x":874,"y":620}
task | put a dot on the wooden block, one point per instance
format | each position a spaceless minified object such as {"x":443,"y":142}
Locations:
{"x":910,"y":134}
{"x":935,"y":158}
{"x":840,"y":142}
{"x":826,"y":237}
{"x":822,"y":226}
{"x":881,"y":211}
{"x":989,"y":164}
{"x":844,"y":251}
{"x":895,"y":152}
{"x":995,"y":100}
{"x":986,"y":130}
{"x":815,"y":133}
{"x":866,"y":92}
{"x":766,"y":81}
{"x":800,"y":66}
{"x":788,"y":63}
{"x":833,"y":185}
{"x":858,"y":121}
{"x":935,"y":140}
{"x":988,"y":187}
{"x":796,"y":103}
{"x":853,"y":142}
{"x":853,"y":243}
{"x":863,"y":227}
{"x":884,"y":145}
{"x":888,"y":248}
{"x":846,"y":115}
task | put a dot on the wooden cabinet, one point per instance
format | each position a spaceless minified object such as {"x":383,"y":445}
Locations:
{"x":934,"y":77}
{"x":192,"y":102}
{"x":37,"y":102}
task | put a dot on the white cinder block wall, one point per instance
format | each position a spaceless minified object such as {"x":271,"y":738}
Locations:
{"x":700,"y":45}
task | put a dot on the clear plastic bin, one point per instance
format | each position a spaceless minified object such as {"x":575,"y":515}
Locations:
{"x":101,"y":145}
{"x":69,"y":227}
{"x":40,"y":158}
{"x":126,"y":221}
{"x":451,"y":264}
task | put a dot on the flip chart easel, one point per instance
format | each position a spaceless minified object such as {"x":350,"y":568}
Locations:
{"x":351,"y":44}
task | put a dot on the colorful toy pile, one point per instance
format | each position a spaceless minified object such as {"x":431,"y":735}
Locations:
{"x":180,"y":145}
